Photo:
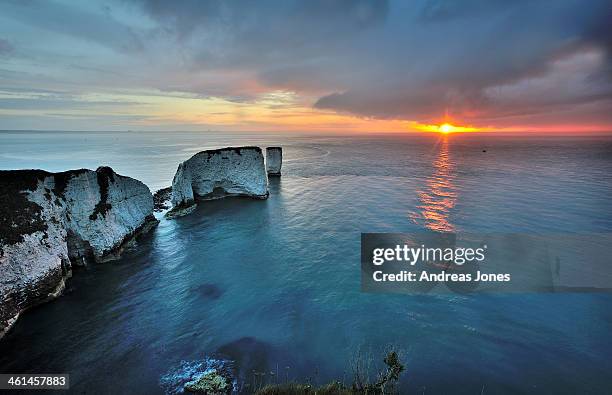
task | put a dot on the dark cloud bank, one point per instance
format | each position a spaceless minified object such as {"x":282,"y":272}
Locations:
{"x":411,"y":60}
{"x":481,"y":60}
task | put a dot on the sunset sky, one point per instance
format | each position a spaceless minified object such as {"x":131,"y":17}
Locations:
{"x":312,"y":65}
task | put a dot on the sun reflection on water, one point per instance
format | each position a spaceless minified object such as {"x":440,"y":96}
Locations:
{"x":438,"y":197}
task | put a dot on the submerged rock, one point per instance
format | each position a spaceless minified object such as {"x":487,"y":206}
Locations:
{"x":249,"y":355}
{"x":51,"y":221}
{"x":218,"y":173}
{"x":207,"y":291}
{"x":274,"y":160}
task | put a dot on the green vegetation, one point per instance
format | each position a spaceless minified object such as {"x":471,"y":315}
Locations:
{"x":299,"y":389}
{"x":386,"y":382}
{"x":210,"y":383}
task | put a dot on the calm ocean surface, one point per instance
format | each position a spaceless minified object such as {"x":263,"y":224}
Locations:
{"x":274,"y":284}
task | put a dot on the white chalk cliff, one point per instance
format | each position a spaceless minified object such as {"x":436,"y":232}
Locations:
{"x":50,"y":221}
{"x":274,"y":160}
{"x":217,"y":173}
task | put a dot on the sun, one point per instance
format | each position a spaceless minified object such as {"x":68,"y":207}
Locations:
{"x":444,"y":128}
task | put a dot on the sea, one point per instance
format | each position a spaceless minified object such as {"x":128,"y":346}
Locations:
{"x":270,"y":289}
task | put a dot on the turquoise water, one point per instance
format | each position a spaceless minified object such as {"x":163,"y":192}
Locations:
{"x":274,"y":284}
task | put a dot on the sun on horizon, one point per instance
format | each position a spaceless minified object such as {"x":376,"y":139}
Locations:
{"x":445,"y":128}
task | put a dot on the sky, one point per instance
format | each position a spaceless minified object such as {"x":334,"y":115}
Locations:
{"x":316,"y":65}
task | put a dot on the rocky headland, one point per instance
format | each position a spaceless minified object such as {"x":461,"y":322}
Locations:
{"x":52,"y":221}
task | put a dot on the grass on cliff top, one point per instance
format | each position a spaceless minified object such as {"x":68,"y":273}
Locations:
{"x":386,"y":382}
{"x":304,"y":389}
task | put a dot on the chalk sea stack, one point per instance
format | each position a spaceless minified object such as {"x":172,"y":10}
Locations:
{"x":274,"y":161}
{"x":52,"y":221}
{"x":213,"y":174}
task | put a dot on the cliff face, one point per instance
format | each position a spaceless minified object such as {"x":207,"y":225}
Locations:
{"x":274,"y":160}
{"x":217,"y":173}
{"x":50,"y":221}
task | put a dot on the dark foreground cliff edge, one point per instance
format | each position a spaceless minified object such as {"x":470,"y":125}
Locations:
{"x":52,"y":221}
